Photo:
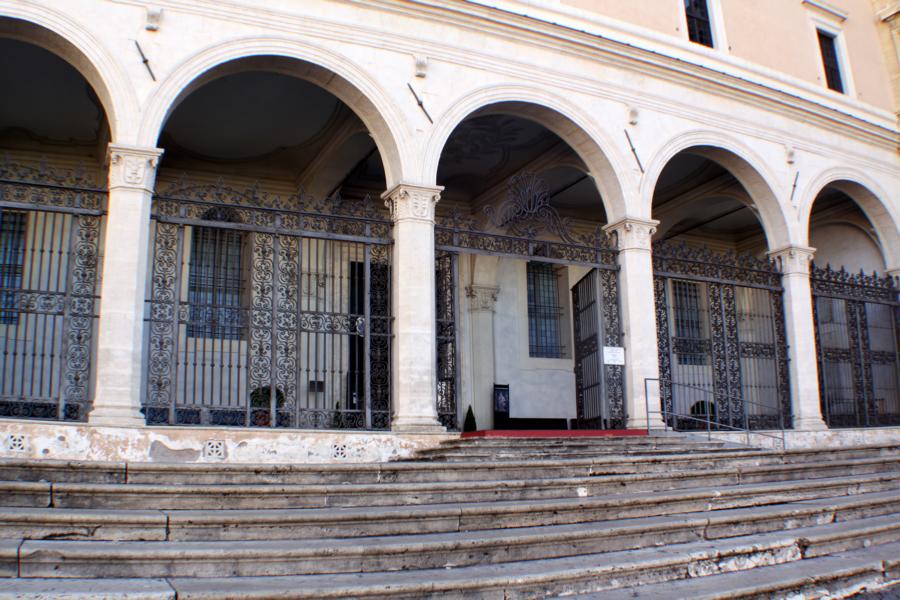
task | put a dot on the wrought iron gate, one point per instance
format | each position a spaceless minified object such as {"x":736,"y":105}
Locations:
{"x":268,"y":311}
{"x":721,"y":336}
{"x":857,"y":319}
{"x":525,"y":227}
{"x":50,"y":222}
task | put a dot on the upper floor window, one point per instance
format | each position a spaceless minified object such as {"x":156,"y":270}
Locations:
{"x":699,"y":24}
{"x":828,"y":47}
{"x":544,"y":311}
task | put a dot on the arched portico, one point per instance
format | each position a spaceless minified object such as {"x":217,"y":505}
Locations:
{"x":309,"y":62}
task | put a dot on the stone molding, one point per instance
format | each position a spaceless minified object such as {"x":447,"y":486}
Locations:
{"x":133,"y":167}
{"x":482,"y":298}
{"x":632,"y":234}
{"x":793,"y":260}
{"x":412,"y":202}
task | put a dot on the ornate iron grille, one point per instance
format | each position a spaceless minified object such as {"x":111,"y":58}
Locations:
{"x":50,"y":222}
{"x":267,"y":311}
{"x":527,"y":227}
{"x":721,"y":336}
{"x":857,"y":318}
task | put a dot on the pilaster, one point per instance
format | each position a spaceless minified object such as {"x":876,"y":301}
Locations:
{"x":414,"y":372}
{"x":794,"y":263}
{"x":132,"y":174}
{"x":482,"y":303}
{"x":638,"y":312}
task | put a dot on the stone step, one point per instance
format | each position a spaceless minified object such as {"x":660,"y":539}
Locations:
{"x":56,"y":558}
{"x":235,"y":496}
{"x":310,"y":523}
{"x":532,"y":578}
{"x":840,"y":575}
{"x":476,"y":469}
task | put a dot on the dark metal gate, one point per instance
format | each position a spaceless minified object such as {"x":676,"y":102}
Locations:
{"x":50,"y":222}
{"x":268,"y":311}
{"x":525,"y":227}
{"x":721,"y":336}
{"x":857,"y":319}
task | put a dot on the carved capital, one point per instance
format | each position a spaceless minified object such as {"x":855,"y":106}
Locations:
{"x":133,"y":167}
{"x":412,"y":202}
{"x":482,"y":298}
{"x":793,"y":259}
{"x":632,"y":234}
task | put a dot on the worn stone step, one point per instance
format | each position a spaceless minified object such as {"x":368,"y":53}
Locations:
{"x":294,"y":557}
{"x":836,"y":576}
{"x":542,"y":578}
{"x":255,"y":523}
{"x":187,"y":496}
{"x":431,"y":470}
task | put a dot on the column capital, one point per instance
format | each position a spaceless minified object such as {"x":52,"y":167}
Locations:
{"x":793,"y":259}
{"x":632,"y":233}
{"x":132,"y":167}
{"x":408,"y":202}
{"x":482,"y":298}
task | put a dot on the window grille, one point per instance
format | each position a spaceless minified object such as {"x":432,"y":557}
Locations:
{"x":214,"y":284}
{"x":828,"y":47}
{"x":689,"y":321}
{"x":544,"y":312}
{"x":698,"y":22}
{"x":12,"y":260}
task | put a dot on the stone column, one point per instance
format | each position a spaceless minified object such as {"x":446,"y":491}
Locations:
{"x":413,"y":359}
{"x":117,"y":400}
{"x":482,"y":300}
{"x":803,"y":368}
{"x":638,"y":314}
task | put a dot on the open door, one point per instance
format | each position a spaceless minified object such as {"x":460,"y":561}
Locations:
{"x":591,"y":398}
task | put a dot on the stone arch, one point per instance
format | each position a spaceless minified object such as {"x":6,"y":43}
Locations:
{"x":54,"y":31}
{"x":561,"y":117}
{"x":328,"y":70}
{"x":872,"y":201}
{"x":748,"y":168}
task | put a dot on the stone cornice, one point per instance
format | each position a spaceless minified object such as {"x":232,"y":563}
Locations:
{"x":803,"y":102}
{"x":132,"y":167}
{"x":632,"y":234}
{"x":793,"y":259}
{"x":412,"y":202}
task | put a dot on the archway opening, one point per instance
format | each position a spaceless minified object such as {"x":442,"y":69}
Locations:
{"x":53,"y":138}
{"x":720,"y":318}
{"x":269,"y":284}
{"x":856,"y":312}
{"x":526,"y":278}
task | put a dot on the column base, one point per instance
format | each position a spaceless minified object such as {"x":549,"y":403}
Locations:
{"x":416,"y":425}
{"x":809,"y":424}
{"x":641,"y":423}
{"x":115,"y":416}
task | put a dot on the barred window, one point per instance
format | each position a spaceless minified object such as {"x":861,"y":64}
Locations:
{"x":689,"y":324}
{"x":544,"y":311}
{"x":12,"y":261}
{"x":215,"y":285}
{"x":828,"y":48}
{"x":698,"y":22}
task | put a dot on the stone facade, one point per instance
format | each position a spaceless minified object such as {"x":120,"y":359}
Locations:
{"x":619,"y":83}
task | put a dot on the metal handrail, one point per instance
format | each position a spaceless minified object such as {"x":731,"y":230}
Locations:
{"x":709,"y":421}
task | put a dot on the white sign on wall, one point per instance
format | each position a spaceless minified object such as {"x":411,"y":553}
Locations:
{"x":613,"y":355}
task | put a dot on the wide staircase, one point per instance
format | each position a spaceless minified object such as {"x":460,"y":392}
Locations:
{"x":613,"y":518}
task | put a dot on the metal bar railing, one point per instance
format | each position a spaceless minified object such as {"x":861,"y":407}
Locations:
{"x":671,"y":419}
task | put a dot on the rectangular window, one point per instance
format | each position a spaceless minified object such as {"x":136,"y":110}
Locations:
{"x":214,"y":284}
{"x":689,"y":323}
{"x":698,"y":22}
{"x":12,"y":261}
{"x":828,"y":47}
{"x":544,"y":311}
